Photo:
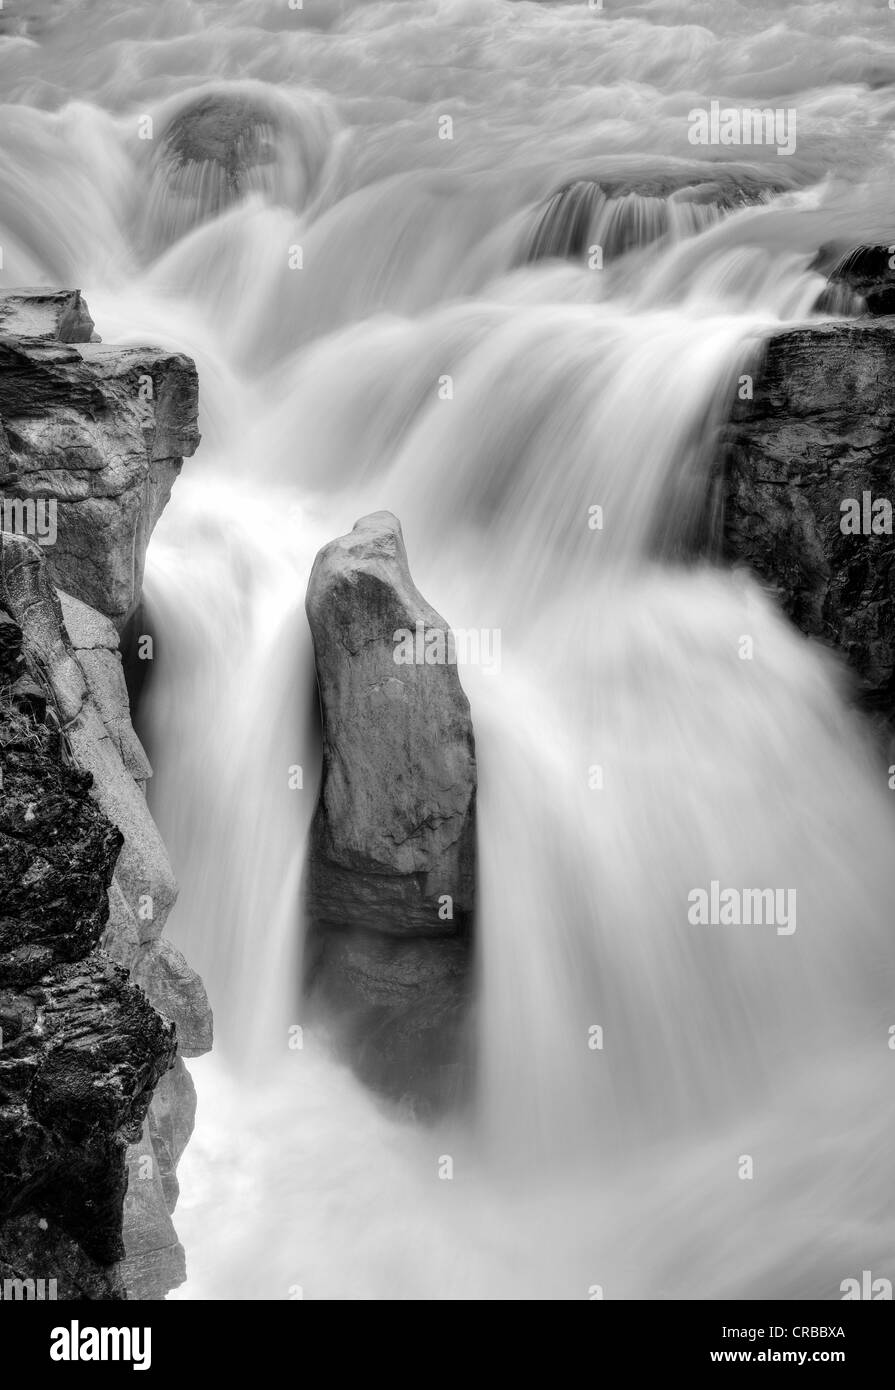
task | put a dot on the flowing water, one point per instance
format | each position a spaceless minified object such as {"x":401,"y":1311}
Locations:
{"x":384,"y":317}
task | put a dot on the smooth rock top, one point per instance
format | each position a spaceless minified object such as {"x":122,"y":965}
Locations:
{"x":44,"y":313}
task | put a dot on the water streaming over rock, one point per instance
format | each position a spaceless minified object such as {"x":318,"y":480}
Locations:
{"x":296,"y":223}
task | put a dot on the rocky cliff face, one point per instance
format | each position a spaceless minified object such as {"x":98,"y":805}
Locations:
{"x":391,"y":869}
{"x":101,"y":433}
{"x":81,"y":1049}
{"x":73,"y":678}
{"x":819,"y":432}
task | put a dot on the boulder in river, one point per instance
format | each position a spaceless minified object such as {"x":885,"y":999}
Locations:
{"x":391,"y":869}
{"x":227,"y":142}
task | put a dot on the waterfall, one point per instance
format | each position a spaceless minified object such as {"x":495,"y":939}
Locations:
{"x":358,"y":261}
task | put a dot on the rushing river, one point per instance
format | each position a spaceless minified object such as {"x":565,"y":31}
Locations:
{"x":397,"y":233}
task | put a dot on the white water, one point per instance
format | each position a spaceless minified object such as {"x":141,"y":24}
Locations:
{"x":571,"y":388}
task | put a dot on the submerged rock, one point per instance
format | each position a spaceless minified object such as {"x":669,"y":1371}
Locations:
{"x":391,"y":867}
{"x":861,"y":279}
{"x":621,"y":214}
{"x":227,"y":142}
{"x":234,"y":133}
{"x":818,"y":433}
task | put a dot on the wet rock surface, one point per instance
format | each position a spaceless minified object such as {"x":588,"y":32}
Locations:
{"x":818,"y":432}
{"x":91,"y":994}
{"x":82,"y":1048}
{"x":93,"y":439}
{"x":391,"y":868}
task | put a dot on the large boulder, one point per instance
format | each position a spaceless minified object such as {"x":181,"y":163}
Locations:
{"x":31,"y":1245}
{"x":819,"y":431}
{"x":391,"y":865}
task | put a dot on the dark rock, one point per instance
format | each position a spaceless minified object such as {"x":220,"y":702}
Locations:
{"x":75,"y":1086}
{"x":839,"y":300}
{"x":10,"y":649}
{"x":57,"y":856}
{"x":81,"y":1048}
{"x":78,"y":1069}
{"x":233,"y":133}
{"x":860,"y":276}
{"x":29,"y":698}
{"x":820,"y":430}
{"x":393,"y":837}
{"x":400,"y":1007}
{"x":38,"y":1250}
{"x":214,"y":151}
{"x":90,"y":700}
